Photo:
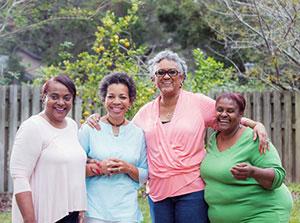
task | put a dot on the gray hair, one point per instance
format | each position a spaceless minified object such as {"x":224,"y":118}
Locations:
{"x":168,"y":55}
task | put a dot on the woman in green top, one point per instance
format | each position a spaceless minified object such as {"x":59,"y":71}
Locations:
{"x":241,"y":184}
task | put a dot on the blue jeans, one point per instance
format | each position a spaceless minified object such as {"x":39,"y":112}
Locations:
{"x":187,"y":208}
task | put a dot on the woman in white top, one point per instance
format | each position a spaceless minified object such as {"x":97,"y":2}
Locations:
{"x":47,"y":162}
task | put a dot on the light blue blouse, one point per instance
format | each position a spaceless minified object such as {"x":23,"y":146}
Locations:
{"x":114,"y":198}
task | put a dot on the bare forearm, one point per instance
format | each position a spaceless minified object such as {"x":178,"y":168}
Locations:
{"x":133,"y":172}
{"x":248,"y":122}
{"x":25,"y":204}
{"x":264,"y":177}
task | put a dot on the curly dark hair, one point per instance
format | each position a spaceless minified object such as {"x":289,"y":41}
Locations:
{"x":117,"y":78}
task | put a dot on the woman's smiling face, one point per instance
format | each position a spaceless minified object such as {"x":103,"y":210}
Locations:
{"x":168,"y":84}
{"x":58,"y":102}
{"x":228,"y":114}
{"x":117,"y":101}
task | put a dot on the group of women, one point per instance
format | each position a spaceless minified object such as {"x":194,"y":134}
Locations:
{"x":61,"y":175}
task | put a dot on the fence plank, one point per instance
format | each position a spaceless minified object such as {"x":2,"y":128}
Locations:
{"x":277,"y":137}
{"x":13,"y":123}
{"x":288,"y":155}
{"x":25,"y":92}
{"x":267,"y":112}
{"x":36,"y":98}
{"x":2,"y":138}
{"x":247,"y":112}
{"x":297,"y":137}
{"x":257,"y":108}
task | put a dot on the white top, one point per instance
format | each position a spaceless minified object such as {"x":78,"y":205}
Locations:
{"x":51,"y":163}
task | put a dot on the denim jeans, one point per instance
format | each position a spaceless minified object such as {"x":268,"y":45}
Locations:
{"x":187,"y":208}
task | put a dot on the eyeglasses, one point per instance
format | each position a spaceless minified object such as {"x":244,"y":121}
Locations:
{"x":170,"y":72}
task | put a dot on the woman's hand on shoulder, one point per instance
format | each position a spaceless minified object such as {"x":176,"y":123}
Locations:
{"x":261,"y":132}
{"x":93,"y":120}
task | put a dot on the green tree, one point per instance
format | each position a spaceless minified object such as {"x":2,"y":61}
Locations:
{"x":209,"y":74}
{"x":113,"y":50}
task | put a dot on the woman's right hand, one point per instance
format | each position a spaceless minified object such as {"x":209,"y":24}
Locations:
{"x":92,"y":169}
{"x":93,"y":120}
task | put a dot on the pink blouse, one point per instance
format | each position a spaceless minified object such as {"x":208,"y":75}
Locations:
{"x":176,"y":149}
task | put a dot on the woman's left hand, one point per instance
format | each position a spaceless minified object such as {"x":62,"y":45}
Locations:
{"x":261,"y":132}
{"x":117,"y":166}
{"x":242,"y":171}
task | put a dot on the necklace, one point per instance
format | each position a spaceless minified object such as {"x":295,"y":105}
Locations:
{"x":115,"y":125}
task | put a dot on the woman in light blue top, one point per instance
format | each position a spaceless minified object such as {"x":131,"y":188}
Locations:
{"x":117,"y":156}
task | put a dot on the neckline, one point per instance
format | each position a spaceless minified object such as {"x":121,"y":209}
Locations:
{"x":115,"y":125}
{"x":229,"y":149}
{"x":175,"y":110}
{"x":48,"y":123}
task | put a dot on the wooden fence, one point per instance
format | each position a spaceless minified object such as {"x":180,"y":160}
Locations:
{"x":279,"y":111}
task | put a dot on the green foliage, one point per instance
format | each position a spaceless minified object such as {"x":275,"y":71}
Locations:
{"x":113,"y":50}
{"x":11,"y":71}
{"x":184,"y":20}
{"x":208,"y":74}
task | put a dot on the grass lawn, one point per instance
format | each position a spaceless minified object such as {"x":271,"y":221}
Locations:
{"x":5,"y":217}
{"x":295,"y":217}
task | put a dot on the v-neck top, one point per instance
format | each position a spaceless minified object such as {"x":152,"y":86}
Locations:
{"x":176,"y":149}
{"x":234,"y":201}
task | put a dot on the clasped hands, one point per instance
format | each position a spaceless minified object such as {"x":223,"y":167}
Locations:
{"x":107,"y":167}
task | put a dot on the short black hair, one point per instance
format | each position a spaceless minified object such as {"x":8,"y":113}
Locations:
{"x":64,"y":80}
{"x":117,"y":78}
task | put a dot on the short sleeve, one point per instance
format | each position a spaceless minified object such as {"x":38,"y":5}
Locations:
{"x":26,"y":151}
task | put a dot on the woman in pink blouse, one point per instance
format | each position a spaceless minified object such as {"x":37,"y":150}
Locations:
{"x":175,"y":125}
{"x":47,"y":162}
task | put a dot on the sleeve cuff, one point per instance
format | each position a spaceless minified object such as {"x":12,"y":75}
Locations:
{"x":278,"y":178}
{"x":21,"y":185}
{"x":143,"y":176}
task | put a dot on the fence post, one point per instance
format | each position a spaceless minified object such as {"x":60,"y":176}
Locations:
{"x":24,"y":102}
{"x":267,"y":113}
{"x":297,"y":137}
{"x":277,"y":134}
{"x":2,"y":138}
{"x":13,"y":126}
{"x":288,"y":155}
